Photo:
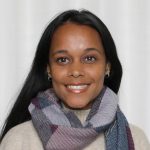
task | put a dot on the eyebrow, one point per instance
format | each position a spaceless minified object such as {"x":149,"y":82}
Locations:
{"x":87,"y":49}
{"x":60,"y":51}
{"x":93,"y":49}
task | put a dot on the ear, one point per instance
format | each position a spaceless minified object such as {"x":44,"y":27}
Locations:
{"x":108,"y":66}
{"x":48,"y":73}
{"x":48,"y":69}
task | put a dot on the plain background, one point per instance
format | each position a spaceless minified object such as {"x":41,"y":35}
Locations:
{"x":23,"y":21}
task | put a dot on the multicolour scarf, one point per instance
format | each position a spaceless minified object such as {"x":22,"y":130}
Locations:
{"x":62,"y":130}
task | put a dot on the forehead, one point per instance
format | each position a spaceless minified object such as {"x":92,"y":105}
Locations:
{"x":75,"y":36}
{"x":73,"y":30}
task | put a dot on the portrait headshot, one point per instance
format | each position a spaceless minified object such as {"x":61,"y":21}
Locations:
{"x":75,"y":75}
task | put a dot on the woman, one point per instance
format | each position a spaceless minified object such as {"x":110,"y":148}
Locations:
{"x":71,"y":92}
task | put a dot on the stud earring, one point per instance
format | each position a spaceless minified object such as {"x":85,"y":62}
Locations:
{"x":49,"y":76}
{"x":107,"y":74}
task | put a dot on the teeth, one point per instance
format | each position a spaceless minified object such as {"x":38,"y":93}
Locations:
{"x":77,"y":87}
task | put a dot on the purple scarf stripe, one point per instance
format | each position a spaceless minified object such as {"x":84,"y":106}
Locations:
{"x":130,"y":139}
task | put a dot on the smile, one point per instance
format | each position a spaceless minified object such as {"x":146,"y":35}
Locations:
{"x":77,"y":88}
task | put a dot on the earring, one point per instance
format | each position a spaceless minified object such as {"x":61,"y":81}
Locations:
{"x":49,"y":76}
{"x":107,"y":74}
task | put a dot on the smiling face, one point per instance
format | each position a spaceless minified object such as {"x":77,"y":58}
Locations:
{"x":77,"y":64}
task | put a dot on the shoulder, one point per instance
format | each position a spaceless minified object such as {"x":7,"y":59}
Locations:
{"x":139,"y":137}
{"x":20,"y":137}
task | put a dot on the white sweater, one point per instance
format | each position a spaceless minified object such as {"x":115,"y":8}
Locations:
{"x":24,"y":137}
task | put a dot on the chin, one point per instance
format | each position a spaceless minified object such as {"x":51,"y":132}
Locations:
{"x":78,"y":105}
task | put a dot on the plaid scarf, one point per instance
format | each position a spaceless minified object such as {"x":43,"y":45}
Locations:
{"x":59,"y":129}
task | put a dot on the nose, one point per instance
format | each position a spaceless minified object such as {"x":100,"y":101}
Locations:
{"x":76,"y":70}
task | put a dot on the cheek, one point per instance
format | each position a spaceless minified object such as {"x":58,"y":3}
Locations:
{"x":97,"y":73}
{"x":58,"y":73}
{"x":98,"y":78}
{"x":99,"y":81}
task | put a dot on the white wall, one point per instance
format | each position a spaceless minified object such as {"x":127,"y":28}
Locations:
{"x":22,"y":23}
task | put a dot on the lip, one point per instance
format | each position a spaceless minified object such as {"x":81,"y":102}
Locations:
{"x":77,"y":88}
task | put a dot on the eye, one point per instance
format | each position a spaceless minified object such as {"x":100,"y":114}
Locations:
{"x":62,"y":60}
{"x":89,"y":59}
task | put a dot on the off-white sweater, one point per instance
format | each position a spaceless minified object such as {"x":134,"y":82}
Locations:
{"x":25,"y":137}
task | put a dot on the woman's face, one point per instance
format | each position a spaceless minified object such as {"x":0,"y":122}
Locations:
{"x":77,"y":64}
